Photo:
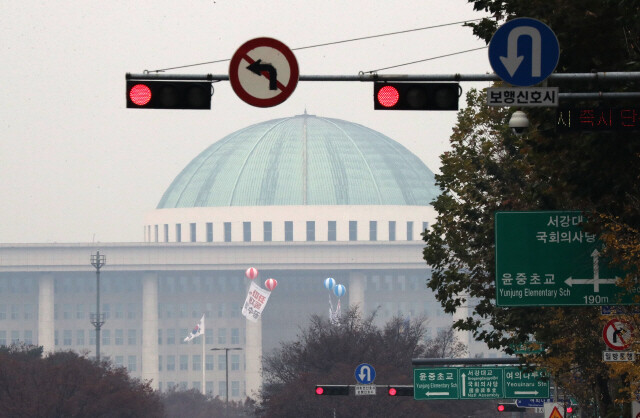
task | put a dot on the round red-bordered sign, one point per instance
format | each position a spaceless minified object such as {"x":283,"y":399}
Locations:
{"x":617,"y":334}
{"x":263,"y":72}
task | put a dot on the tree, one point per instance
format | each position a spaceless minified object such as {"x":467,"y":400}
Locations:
{"x":191,"y":403}
{"x":328,"y":354}
{"x":489,"y":169}
{"x":445,"y":345}
{"x":67,"y":384}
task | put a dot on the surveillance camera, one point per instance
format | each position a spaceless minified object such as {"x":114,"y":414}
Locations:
{"x":518,"y":122}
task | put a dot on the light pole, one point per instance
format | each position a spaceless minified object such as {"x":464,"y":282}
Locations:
{"x":97,"y":319}
{"x":226,"y":366}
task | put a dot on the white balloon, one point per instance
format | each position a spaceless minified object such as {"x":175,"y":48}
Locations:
{"x":329,"y":283}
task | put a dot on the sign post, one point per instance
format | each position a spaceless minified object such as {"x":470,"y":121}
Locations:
{"x":545,"y":258}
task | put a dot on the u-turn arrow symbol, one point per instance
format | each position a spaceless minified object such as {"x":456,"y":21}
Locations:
{"x":512,"y":61}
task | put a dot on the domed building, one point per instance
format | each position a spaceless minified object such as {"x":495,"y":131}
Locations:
{"x":303,"y":178}
{"x":301,"y":199}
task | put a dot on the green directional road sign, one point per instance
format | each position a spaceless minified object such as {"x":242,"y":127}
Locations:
{"x":481,"y":383}
{"x":435,"y":383}
{"x":478,"y":383}
{"x":519,"y":384}
{"x":546,"y":258}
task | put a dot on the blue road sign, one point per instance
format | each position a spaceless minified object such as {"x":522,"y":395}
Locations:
{"x":533,"y":403}
{"x":524,"y":52}
{"x":365,"y":373}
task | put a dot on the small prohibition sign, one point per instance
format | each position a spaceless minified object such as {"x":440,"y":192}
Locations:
{"x":617,"y":334}
{"x":263,"y":72}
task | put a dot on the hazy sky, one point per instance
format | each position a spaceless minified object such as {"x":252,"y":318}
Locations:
{"x":76,"y":165}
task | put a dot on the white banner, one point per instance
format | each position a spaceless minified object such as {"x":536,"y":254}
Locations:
{"x":255,"y":302}
{"x":523,"y":96}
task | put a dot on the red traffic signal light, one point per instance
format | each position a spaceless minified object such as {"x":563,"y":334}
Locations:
{"x":510,"y":407}
{"x":168,"y":94}
{"x":415,"y":96}
{"x":400,"y":390}
{"x":332,"y":390}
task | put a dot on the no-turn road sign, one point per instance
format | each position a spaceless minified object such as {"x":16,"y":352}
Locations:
{"x":263,"y":72}
{"x":617,"y":334}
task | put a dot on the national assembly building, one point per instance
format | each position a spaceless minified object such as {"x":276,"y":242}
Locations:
{"x":300,"y":199}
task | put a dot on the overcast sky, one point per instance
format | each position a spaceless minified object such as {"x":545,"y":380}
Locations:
{"x":77,"y":166}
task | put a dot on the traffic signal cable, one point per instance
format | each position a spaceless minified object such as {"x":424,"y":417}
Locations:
{"x":345,"y":41}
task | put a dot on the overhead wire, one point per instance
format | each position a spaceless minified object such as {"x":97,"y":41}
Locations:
{"x":341,"y":42}
{"x":426,"y":59}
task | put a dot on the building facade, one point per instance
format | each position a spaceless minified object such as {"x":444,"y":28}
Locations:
{"x":301,"y":199}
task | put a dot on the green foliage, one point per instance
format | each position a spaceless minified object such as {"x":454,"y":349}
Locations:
{"x":488,"y":169}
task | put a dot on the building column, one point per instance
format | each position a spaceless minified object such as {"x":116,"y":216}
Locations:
{"x":355,"y":291}
{"x":253,"y":358}
{"x":46,"y":325}
{"x":150,"y":328}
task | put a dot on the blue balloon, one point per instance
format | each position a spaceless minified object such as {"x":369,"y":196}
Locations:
{"x":339,"y":290}
{"x":329,"y":283}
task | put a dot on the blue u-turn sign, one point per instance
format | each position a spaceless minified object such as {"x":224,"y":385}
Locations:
{"x":365,"y":373}
{"x":524,"y":52}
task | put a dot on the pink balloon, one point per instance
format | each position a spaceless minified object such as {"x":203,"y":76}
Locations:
{"x":270,"y":284}
{"x":251,"y":273}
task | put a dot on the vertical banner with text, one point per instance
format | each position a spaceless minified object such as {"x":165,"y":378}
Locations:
{"x":255,"y":302}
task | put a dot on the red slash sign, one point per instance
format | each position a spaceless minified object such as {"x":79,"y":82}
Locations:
{"x":617,"y":334}
{"x":263,"y":72}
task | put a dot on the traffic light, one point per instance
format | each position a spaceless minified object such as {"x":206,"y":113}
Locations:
{"x":400,"y":390}
{"x":332,"y":390}
{"x":510,"y":407}
{"x":168,"y":94}
{"x":415,"y":96}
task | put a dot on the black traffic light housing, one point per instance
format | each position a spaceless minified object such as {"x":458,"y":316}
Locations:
{"x":168,"y":94}
{"x":510,"y":407}
{"x":332,"y":390}
{"x":400,"y":390}
{"x":415,"y":96}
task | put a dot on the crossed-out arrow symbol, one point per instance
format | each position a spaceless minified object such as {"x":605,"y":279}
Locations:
{"x":258,"y":67}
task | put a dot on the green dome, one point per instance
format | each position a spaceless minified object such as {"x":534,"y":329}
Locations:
{"x":303,"y":160}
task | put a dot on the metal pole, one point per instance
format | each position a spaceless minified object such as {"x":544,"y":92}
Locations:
{"x":97,"y":320}
{"x":204,"y":363}
{"x":466,"y":361}
{"x":226,"y":359}
{"x":98,"y":324}
{"x":594,"y":76}
{"x":226,"y":378}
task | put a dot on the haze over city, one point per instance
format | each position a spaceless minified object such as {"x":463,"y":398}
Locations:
{"x":77,"y":166}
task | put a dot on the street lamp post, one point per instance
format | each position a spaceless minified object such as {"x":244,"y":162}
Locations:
{"x":226,"y":361}
{"x":97,"y":319}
